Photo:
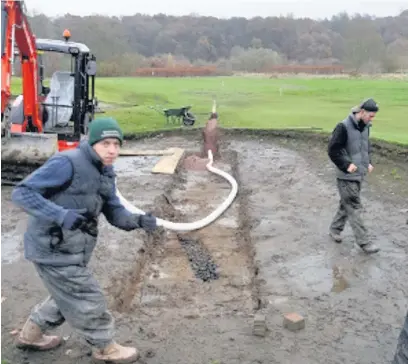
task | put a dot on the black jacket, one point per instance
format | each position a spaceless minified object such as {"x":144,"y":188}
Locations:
{"x":336,"y":150}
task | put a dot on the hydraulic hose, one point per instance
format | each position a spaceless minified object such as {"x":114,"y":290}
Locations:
{"x":190,"y":226}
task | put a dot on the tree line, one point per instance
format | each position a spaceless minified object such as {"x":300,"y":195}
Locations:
{"x":128,"y":45}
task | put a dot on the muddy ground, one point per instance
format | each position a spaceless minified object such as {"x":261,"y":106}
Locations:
{"x":271,"y":250}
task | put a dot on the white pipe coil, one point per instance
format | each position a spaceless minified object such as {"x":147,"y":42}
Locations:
{"x":190,"y":226}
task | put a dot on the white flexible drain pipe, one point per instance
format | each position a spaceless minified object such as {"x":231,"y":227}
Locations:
{"x":189,"y":226}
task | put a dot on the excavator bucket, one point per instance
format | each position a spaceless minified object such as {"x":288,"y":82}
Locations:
{"x":28,"y":148}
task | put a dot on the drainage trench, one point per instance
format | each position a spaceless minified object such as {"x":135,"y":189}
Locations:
{"x":209,"y":269}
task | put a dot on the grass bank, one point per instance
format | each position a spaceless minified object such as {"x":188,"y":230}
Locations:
{"x":247,"y":102}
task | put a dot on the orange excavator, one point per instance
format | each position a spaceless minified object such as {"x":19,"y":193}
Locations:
{"x":42,"y":120}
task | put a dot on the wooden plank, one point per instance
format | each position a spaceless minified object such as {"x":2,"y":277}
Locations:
{"x":168,"y":163}
{"x":136,"y":152}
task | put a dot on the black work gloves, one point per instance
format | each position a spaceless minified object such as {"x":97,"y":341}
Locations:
{"x":74,"y":219}
{"x":148,"y":222}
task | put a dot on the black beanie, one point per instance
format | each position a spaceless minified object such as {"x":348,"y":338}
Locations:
{"x":369,"y":105}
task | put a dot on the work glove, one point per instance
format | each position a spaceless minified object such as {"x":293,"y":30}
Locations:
{"x":148,"y":222}
{"x":74,"y":219}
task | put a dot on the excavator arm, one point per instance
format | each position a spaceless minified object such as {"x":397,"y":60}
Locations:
{"x":32,"y":124}
{"x":16,"y":30}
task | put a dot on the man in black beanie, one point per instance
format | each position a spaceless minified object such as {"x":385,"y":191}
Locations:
{"x":349,"y":150}
{"x":64,"y":198}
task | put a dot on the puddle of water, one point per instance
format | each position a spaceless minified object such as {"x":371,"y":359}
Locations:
{"x":135,"y":166}
{"x":373,"y":275}
{"x":310,"y":273}
{"x":318,"y":274}
{"x":339,"y":282}
{"x":10,"y":248}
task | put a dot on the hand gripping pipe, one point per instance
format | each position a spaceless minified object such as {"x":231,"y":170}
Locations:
{"x":190,"y":226}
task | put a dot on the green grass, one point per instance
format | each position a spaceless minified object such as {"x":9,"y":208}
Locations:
{"x":256,"y":102}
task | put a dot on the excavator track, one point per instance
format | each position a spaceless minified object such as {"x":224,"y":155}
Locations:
{"x":22,"y":154}
{"x":11,"y":173}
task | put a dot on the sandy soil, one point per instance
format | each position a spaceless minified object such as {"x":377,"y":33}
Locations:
{"x":272,"y":254}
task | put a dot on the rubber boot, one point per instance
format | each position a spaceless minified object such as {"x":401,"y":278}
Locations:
{"x":115,"y":353}
{"x":31,"y":337}
{"x":370,"y":248}
{"x":335,"y":236}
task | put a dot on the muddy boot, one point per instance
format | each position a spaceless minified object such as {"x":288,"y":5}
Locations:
{"x":115,"y":353}
{"x":370,"y":248}
{"x":31,"y":337}
{"x":335,"y":236}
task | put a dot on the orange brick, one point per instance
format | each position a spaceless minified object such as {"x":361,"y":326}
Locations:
{"x":293,"y":321}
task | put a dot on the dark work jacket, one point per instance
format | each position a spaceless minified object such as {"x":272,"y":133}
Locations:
{"x":91,"y":187}
{"x":350,"y":144}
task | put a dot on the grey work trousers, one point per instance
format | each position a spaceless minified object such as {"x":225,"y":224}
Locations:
{"x":350,"y":209}
{"x":401,"y":354}
{"x":75,"y":297}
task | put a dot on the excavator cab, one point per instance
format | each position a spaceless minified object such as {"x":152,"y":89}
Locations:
{"x":42,"y":120}
{"x":68,"y":105}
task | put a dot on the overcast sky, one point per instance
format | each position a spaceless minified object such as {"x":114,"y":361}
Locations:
{"x":316,"y":9}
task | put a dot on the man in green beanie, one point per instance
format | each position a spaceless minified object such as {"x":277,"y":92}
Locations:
{"x":64,"y":198}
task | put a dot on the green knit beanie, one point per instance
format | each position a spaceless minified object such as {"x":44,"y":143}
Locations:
{"x":103,"y":128}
